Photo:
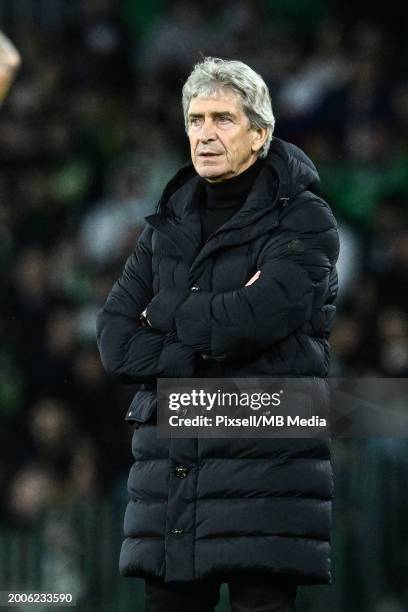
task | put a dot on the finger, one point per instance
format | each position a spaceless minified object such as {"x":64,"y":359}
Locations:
{"x":253,"y":278}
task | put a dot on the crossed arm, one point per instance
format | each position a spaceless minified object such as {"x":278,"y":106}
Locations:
{"x":128,"y":350}
{"x":291,"y":284}
{"x":277,"y":300}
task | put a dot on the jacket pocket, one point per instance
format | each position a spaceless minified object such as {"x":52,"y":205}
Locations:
{"x":142,"y":407}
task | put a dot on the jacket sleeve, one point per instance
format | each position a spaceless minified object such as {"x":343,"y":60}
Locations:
{"x":295,"y":266}
{"x":130,"y":352}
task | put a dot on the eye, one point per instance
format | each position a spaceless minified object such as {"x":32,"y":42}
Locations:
{"x":195,"y":121}
{"x":224,"y":119}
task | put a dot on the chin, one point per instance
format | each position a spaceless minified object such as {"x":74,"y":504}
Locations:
{"x":211,"y":173}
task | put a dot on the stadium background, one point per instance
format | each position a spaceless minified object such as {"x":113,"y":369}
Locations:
{"x":90,"y":133}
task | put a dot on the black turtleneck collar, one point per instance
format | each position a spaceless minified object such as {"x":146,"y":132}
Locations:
{"x":232,"y":192}
{"x":222,"y":200}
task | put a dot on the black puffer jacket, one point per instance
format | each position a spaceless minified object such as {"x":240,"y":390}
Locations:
{"x":212,"y":507}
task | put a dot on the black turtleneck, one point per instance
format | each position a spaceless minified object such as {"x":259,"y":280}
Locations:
{"x":222,"y":200}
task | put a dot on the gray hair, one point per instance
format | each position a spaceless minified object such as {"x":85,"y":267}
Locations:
{"x":213,"y":73}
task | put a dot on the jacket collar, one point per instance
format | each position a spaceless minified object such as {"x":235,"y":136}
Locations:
{"x":183,"y":223}
{"x":273,"y":187}
{"x":183,"y":201}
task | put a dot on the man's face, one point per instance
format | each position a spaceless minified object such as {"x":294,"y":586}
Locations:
{"x":222,"y":142}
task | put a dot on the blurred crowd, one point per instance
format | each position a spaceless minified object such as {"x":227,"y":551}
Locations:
{"x":91,"y":132}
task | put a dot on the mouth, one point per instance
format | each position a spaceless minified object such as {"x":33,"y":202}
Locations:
{"x":208,"y":154}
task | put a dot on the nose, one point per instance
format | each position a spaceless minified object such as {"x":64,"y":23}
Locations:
{"x":207,"y":131}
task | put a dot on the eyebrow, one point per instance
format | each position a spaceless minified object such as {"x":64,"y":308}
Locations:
{"x":215,"y":114}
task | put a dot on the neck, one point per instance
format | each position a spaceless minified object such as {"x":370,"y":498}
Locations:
{"x":234,"y":191}
{"x":221,"y":200}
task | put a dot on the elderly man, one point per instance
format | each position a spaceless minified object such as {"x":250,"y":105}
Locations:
{"x":235,"y":276}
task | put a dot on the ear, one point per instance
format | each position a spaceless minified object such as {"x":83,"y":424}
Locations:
{"x":260,"y":135}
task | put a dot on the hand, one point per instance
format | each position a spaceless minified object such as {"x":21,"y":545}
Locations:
{"x":253,"y":278}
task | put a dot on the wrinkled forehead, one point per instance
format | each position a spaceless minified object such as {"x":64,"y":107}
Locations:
{"x":218,"y":95}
